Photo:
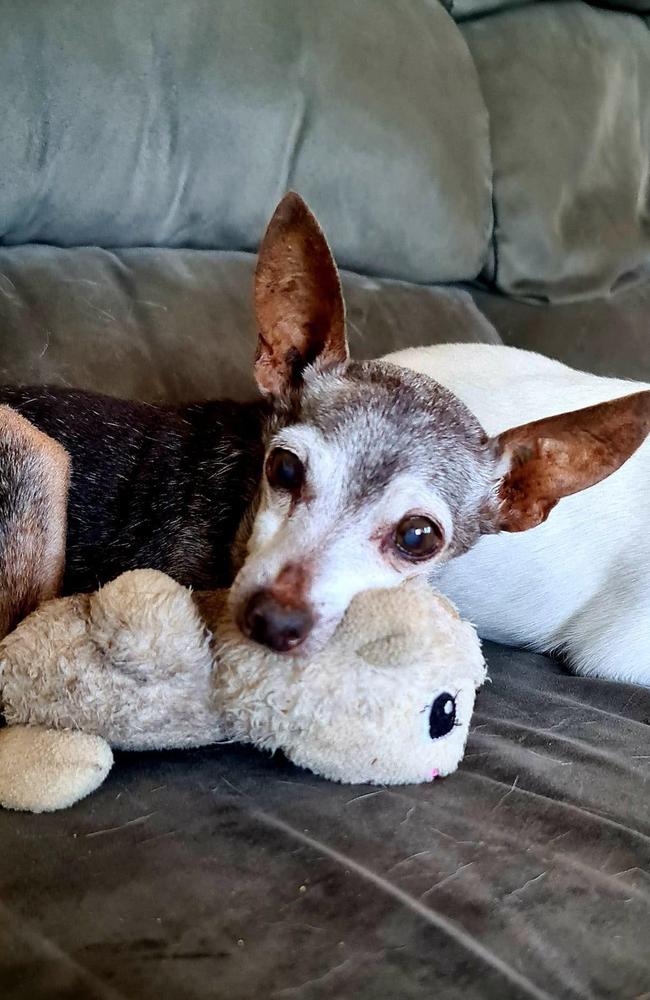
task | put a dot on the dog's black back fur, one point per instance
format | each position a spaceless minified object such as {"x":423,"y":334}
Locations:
{"x":152,"y":486}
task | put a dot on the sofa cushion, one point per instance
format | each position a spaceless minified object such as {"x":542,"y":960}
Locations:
{"x":178,"y":324}
{"x":168,"y":124}
{"x":226,"y":873}
{"x":606,"y":336}
{"x":567,"y":91}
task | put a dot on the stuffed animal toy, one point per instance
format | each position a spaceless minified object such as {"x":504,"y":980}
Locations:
{"x":145,"y":664}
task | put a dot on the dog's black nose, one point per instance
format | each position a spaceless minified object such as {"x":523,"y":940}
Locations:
{"x":273,"y":624}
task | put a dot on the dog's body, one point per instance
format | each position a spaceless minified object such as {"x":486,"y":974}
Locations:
{"x":579,"y":583}
{"x":151,"y":486}
{"x":348,"y":476}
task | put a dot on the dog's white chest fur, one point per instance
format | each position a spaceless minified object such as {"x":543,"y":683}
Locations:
{"x":579,"y":582}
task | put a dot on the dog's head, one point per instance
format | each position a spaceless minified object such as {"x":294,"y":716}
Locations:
{"x":374,"y":473}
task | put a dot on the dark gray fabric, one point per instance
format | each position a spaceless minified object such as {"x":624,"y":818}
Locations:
{"x":224,"y":873}
{"x":182,"y":124}
{"x":567,"y":90}
{"x":168,"y":325}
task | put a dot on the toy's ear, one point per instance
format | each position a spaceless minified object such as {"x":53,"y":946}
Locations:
{"x":298,"y":299}
{"x":392,"y":626}
{"x":553,"y":458}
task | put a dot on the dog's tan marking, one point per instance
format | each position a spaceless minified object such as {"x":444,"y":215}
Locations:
{"x":35,"y":473}
{"x":291,"y":586}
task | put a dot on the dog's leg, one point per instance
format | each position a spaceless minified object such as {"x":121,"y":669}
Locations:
{"x":34,"y":478}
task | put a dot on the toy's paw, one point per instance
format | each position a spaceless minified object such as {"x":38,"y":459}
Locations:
{"x":46,"y":769}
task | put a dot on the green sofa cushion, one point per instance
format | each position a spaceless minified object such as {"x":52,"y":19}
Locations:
{"x":182,"y":124}
{"x":568,"y":92}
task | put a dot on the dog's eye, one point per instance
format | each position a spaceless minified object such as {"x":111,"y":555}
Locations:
{"x":442,"y":717}
{"x":417,"y":537}
{"x":284,"y":470}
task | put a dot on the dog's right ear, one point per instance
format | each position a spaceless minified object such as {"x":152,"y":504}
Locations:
{"x":298,"y":299}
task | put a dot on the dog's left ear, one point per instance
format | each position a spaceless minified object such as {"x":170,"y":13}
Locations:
{"x":553,"y":458}
{"x":298,"y":299}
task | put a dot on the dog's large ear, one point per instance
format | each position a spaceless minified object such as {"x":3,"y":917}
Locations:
{"x":553,"y":458}
{"x":298,"y":299}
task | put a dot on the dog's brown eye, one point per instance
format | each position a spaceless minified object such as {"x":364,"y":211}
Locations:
{"x":417,"y":537}
{"x":284,"y":470}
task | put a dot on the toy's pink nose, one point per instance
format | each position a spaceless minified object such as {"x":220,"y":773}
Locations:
{"x":280,"y":627}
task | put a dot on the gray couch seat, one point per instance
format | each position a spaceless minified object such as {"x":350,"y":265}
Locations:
{"x":229,"y":873}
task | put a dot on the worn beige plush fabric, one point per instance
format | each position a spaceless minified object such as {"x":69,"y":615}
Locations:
{"x":143,"y":665}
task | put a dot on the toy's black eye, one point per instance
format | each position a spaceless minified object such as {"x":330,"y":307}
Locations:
{"x":284,"y":470}
{"x":417,"y":537}
{"x":442,"y":717}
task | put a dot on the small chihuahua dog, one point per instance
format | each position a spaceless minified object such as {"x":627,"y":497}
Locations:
{"x":578,"y":585}
{"x":345,"y":476}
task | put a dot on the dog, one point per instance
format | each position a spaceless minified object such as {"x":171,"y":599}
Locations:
{"x":344,"y":476}
{"x":579,"y":584}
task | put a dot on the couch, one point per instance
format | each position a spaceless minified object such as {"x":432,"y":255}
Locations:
{"x":482,"y":170}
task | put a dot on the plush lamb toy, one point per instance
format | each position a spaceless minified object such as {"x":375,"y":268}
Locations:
{"x":145,"y":664}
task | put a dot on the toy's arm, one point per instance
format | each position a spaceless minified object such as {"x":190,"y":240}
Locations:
{"x":46,"y":769}
{"x":34,"y":479}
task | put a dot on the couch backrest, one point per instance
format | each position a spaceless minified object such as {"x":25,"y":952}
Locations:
{"x":168,"y":123}
{"x":567,"y":86}
{"x":173,"y":123}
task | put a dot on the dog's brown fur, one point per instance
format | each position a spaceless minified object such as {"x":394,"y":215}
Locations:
{"x":298,"y":299}
{"x":35,"y":476}
{"x":559,"y":456}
